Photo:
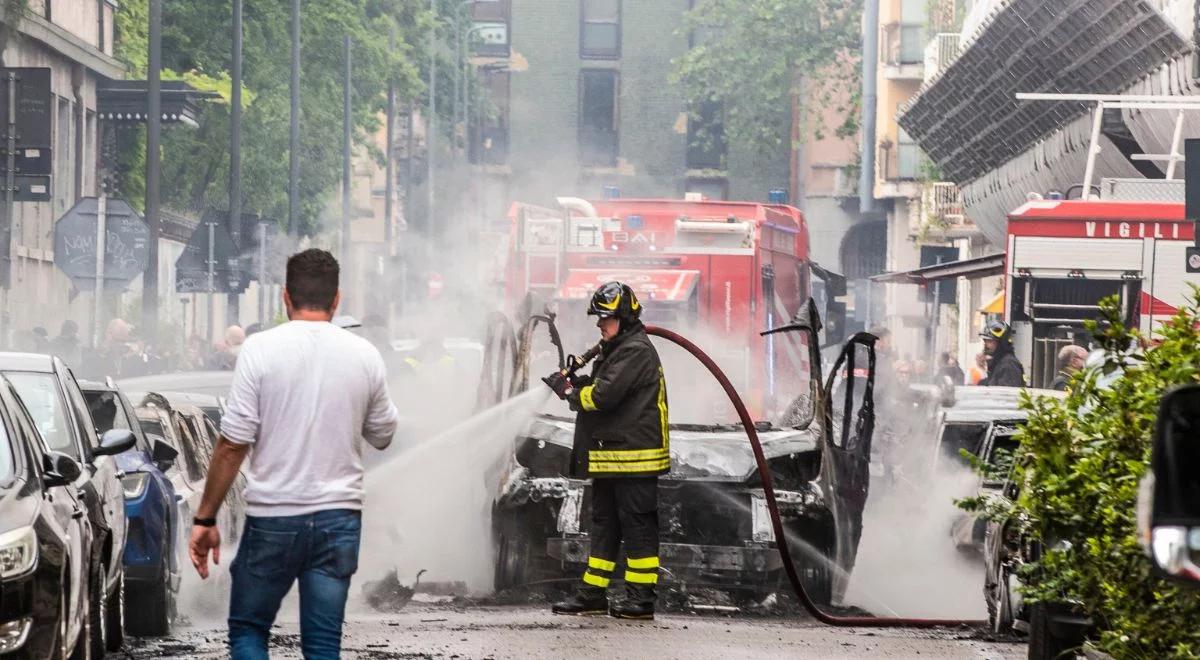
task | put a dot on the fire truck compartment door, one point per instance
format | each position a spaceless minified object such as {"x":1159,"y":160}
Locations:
{"x":649,"y":285}
{"x":1056,"y":257}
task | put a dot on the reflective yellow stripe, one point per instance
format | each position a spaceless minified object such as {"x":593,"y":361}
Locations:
{"x":663,"y":417}
{"x":596,"y":580}
{"x":628,"y":455}
{"x":585,"y":398}
{"x":413,"y":362}
{"x":636,"y":466}
{"x":601,"y":564}
{"x":641,"y":578}
{"x":646,"y":562}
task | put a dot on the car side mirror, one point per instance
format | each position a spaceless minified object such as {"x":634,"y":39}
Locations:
{"x":1171,"y":530}
{"x":115,"y":441}
{"x":60,"y":470}
{"x":163,"y":455}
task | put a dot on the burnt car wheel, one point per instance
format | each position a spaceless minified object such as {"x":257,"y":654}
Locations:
{"x":816,"y":573}
{"x":1043,"y":644}
{"x":512,"y":555}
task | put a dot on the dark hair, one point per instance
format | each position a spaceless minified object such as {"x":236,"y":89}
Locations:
{"x":312,"y":279}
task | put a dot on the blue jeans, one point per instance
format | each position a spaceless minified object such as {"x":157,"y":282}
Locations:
{"x":321,"y":551}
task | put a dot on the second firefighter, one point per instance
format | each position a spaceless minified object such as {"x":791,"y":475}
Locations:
{"x":622,"y":443}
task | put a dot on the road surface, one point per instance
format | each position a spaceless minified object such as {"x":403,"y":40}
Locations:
{"x":427,"y":630}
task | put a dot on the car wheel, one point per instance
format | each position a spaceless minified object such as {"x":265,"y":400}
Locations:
{"x":98,"y":613}
{"x":83,"y":643}
{"x":153,"y":606}
{"x":1043,"y":645}
{"x":114,"y":619}
{"x":511,"y":553}
{"x":815,"y":568}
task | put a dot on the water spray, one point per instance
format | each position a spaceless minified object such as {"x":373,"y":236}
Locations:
{"x":782,"y":544}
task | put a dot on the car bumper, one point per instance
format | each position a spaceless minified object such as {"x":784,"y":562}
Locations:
{"x":16,"y":614}
{"x":146,"y":539}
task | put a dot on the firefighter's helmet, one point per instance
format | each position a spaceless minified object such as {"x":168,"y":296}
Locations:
{"x":614,"y":299}
{"x":997,"y":330}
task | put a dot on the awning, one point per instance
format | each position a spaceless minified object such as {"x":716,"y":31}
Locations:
{"x":971,"y":269}
{"x":656,"y":285}
{"x":994,"y":306}
{"x":125,"y":101}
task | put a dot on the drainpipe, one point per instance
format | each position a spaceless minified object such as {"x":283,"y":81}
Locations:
{"x":80,"y":127}
{"x":870,"y":70}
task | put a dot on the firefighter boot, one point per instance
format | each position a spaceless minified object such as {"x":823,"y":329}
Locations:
{"x":638,"y":603}
{"x":585,"y":602}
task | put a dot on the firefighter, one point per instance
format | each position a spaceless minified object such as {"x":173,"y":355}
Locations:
{"x":622,"y":444}
{"x":1004,"y":369}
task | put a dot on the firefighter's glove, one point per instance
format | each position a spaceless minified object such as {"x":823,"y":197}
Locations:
{"x":559,"y":383}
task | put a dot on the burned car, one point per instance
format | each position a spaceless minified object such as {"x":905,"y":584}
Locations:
{"x":715,"y":529}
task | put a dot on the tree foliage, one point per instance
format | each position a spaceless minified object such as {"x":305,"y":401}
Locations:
{"x":1078,"y":467}
{"x":197,"y":48}
{"x":751,"y":56}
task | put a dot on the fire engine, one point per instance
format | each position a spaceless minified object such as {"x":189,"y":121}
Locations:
{"x":721,"y":271}
{"x":1064,"y":256}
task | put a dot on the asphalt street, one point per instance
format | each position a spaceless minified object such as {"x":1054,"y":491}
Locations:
{"x":455,"y":631}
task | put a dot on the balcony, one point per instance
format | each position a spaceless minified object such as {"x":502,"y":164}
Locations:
{"x":903,"y":49}
{"x":940,"y":53}
{"x":898,"y":170}
{"x":942,"y":214}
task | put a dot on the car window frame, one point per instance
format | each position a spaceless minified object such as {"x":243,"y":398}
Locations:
{"x":35,"y":446}
{"x":84,"y":424}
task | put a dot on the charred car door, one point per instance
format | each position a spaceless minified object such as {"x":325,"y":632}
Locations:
{"x":848,"y":407}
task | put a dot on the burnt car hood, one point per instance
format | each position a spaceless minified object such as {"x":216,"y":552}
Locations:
{"x":719,"y":453}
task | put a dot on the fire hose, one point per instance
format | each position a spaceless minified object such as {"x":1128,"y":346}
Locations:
{"x":781,"y":542}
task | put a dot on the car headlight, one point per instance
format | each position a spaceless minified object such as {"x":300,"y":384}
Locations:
{"x":135,"y":484}
{"x":18,"y":552}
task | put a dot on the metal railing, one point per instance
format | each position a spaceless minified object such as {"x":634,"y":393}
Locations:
{"x":903,"y":43}
{"x":940,"y":53}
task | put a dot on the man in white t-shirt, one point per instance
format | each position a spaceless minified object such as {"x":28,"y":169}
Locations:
{"x":304,"y":396}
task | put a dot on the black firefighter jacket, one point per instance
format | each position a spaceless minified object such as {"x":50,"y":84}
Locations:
{"x":1005,"y":370}
{"x":621,"y":429}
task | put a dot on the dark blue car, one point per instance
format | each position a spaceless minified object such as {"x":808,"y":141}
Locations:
{"x":152,"y":562}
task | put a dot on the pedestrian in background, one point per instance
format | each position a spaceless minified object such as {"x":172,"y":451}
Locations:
{"x":1070,"y":360}
{"x":304,"y":396}
{"x":979,"y":370}
{"x":949,"y":369}
{"x":66,"y":344}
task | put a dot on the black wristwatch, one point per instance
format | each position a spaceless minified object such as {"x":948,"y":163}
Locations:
{"x":204,"y":522}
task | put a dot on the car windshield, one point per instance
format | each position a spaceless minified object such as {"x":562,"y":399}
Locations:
{"x":957,"y":437}
{"x":40,"y":393}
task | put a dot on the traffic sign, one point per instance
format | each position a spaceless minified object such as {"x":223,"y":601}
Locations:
{"x":126,"y":243}
{"x":211,"y":242}
{"x":32,"y":121}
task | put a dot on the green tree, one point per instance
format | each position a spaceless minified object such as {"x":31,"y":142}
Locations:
{"x":751,"y":56}
{"x":1078,"y":467}
{"x":197,"y":48}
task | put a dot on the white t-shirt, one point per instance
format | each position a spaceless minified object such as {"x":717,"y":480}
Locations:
{"x":304,"y":394}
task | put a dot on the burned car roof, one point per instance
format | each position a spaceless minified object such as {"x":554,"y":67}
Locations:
{"x":717,"y":453}
{"x":986,"y":404}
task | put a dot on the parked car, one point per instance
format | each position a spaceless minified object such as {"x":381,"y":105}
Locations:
{"x":58,"y":408}
{"x":190,"y":432}
{"x":155,"y":541}
{"x":45,"y":543}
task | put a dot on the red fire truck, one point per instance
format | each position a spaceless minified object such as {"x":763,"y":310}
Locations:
{"x":719,"y":271}
{"x":1063,"y":256}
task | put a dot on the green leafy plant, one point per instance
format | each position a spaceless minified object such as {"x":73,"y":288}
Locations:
{"x":1078,"y":468}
